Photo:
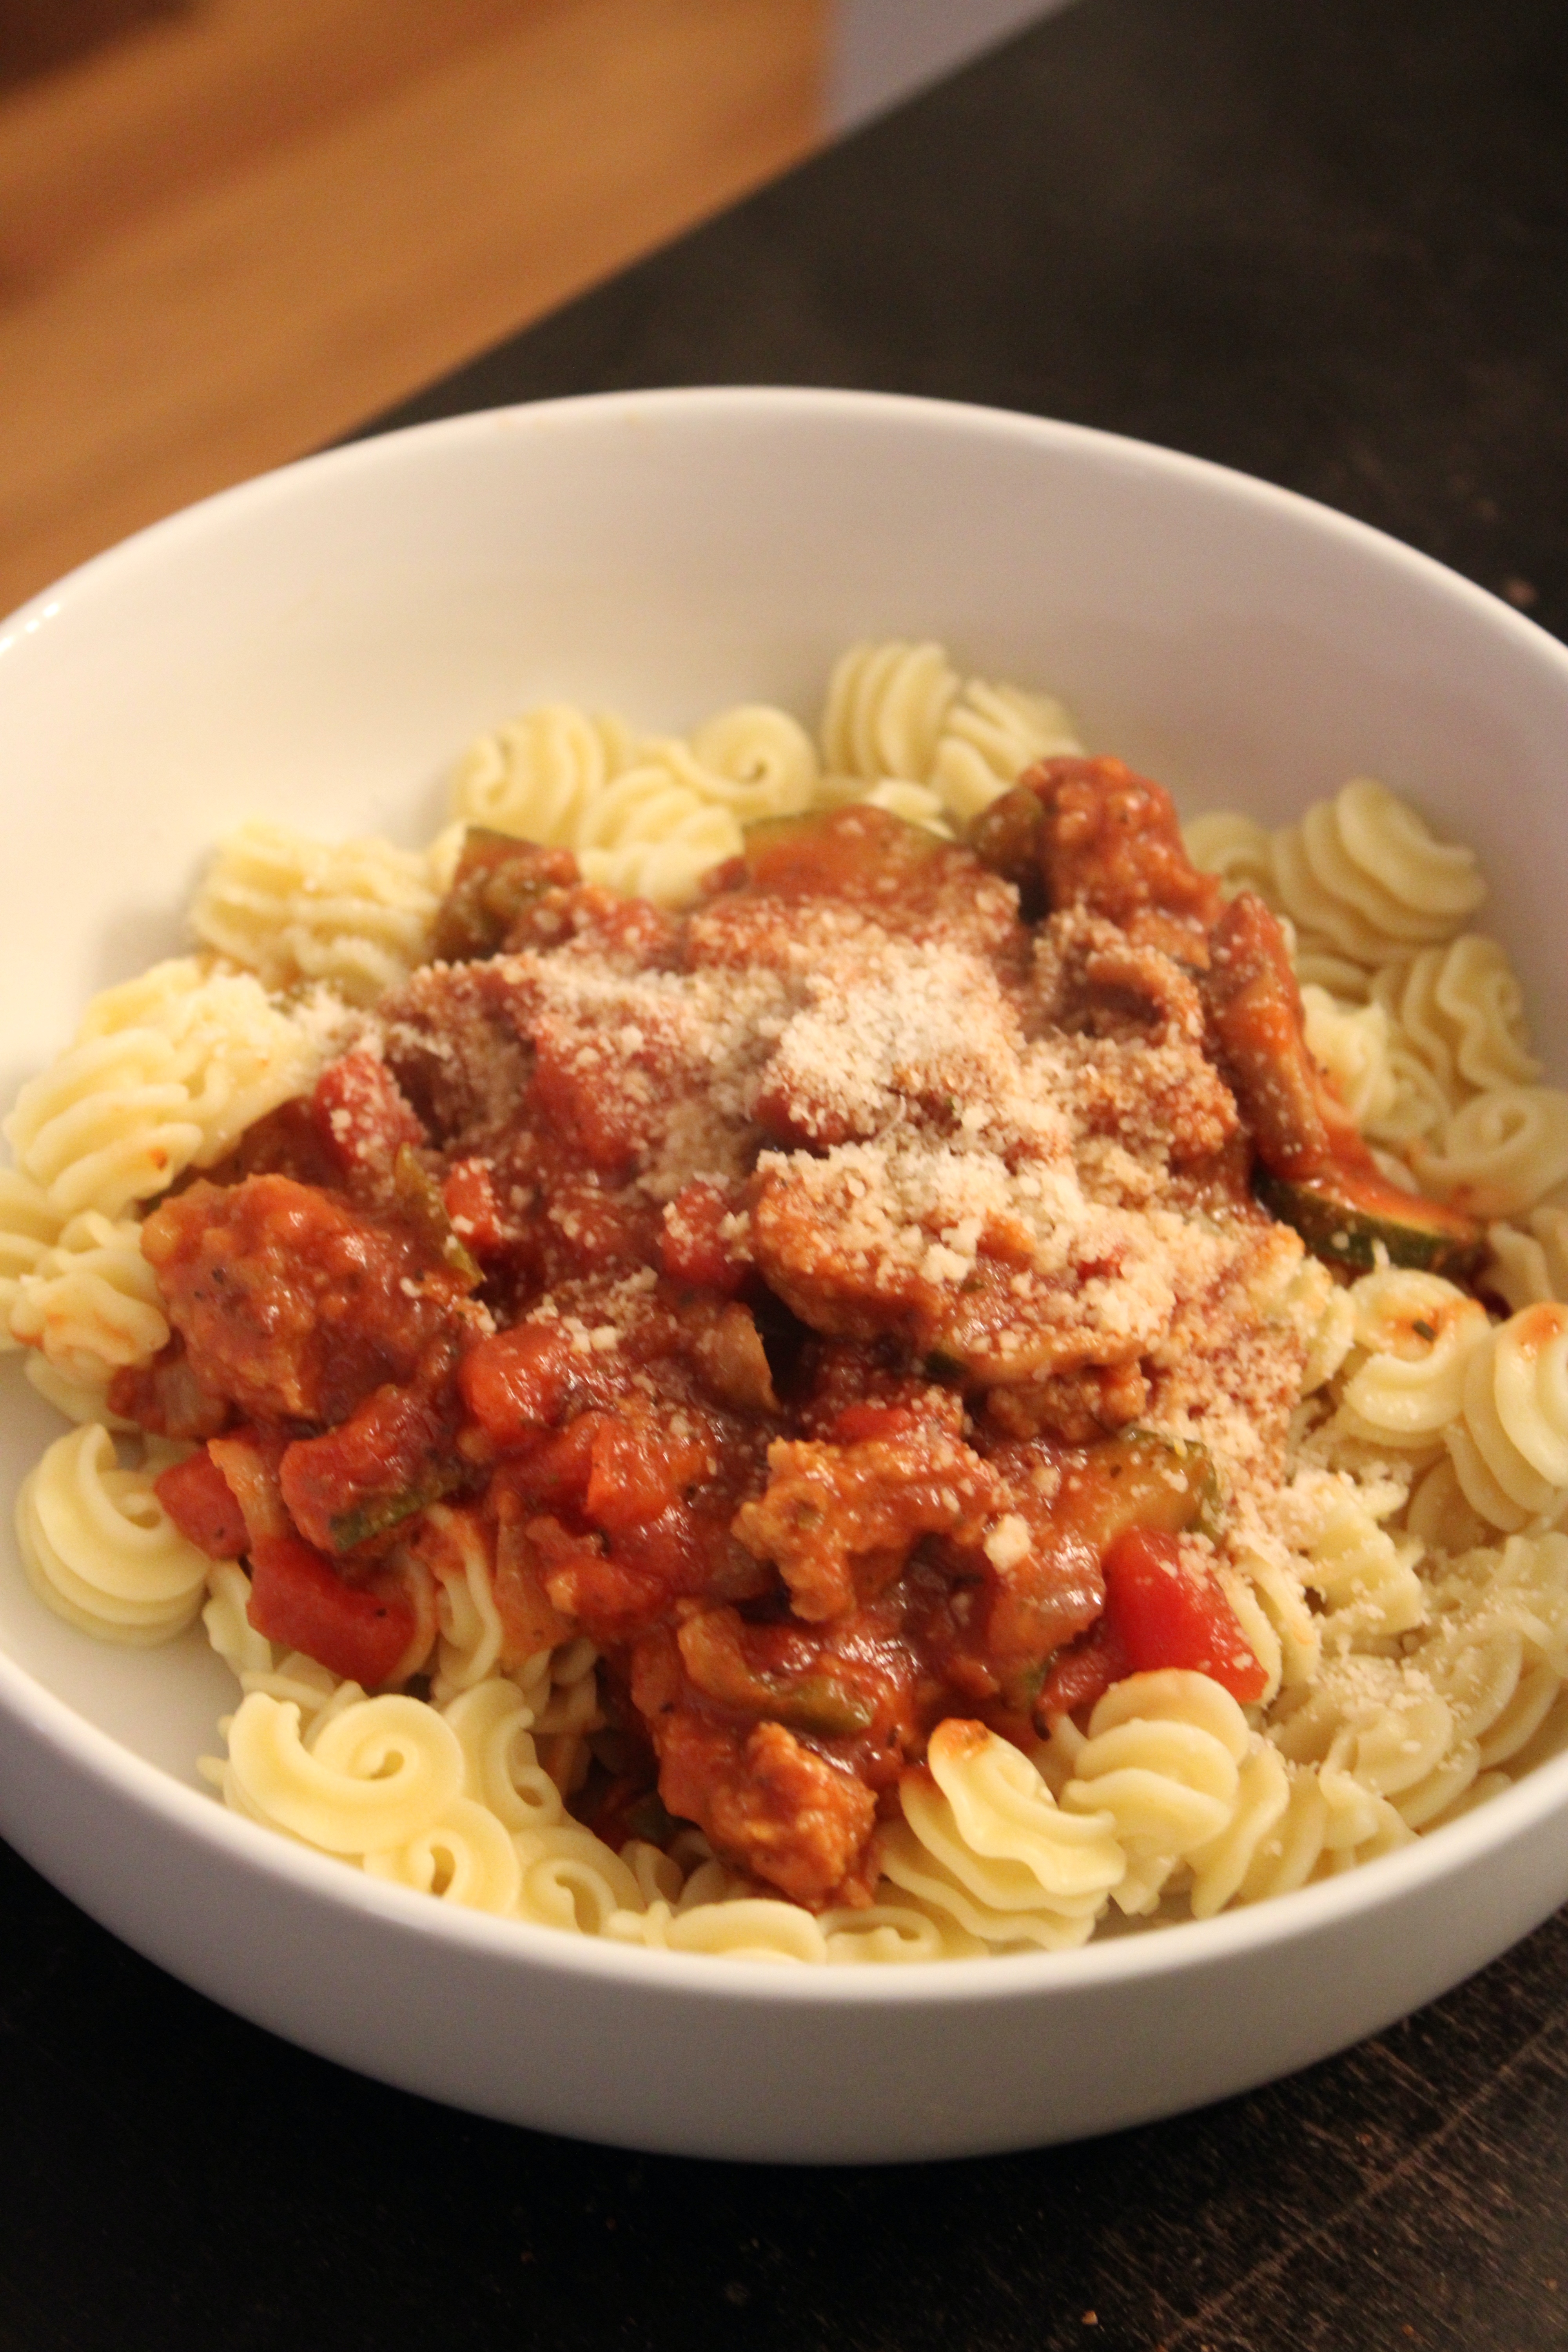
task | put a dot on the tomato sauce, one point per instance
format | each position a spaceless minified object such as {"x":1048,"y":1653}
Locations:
{"x":513,"y":1258}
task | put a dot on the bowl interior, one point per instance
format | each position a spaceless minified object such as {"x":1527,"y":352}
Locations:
{"x":317,"y":647}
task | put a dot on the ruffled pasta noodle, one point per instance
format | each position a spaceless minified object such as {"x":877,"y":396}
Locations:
{"x":165,"y":1073}
{"x":984,"y":1840}
{"x":1329,"y":1823}
{"x":1510,"y":1444}
{"x":1500,"y":1152}
{"x":377,"y":1776}
{"x":1529,"y":1265}
{"x":1392,"y":1095}
{"x":1364,"y":875}
{"x":887,"y":706}
{"x":1235,"y":849}
{"x":469,"y":1628}
{"x":899,"y":714}
{"x":1278,"y":1619}
{"x":759,"y":760}
{"x":1162,"y":1759}
{"x":990,"y":735}
{"x":356,"y":914}
{"x":646,"y":817}
{"x":1462,"y":1009}
{"x":100,"y":1549}
{"x":92,"y":1304}
{"x":1414,"y":1334}
{"x":30,"y":1229}
{"x":1367,"y":1578}
{"x":76,"y":1400}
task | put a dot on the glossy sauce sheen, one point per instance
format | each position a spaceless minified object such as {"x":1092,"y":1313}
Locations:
{"x":587,"y":1255}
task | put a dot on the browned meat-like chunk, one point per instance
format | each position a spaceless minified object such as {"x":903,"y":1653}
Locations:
{"x":909,"y":882}
{"x":455,"y":1053}
{"x":504,"y":890}
{"x":1110,"y":842}
{"x":768,"y":1802}
{"x":832,"y":1510}
{"x":1298,"y":1123}
{"x":291,"y":1303}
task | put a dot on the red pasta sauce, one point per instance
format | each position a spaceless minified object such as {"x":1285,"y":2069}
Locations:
{"x":711,"y":1279}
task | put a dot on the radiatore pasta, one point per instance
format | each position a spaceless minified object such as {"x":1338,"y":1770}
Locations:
{"x":820,"y":1347}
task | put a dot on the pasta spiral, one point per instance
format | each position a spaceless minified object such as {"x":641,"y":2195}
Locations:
{"x":354,"y":914}
{"x":1531,"y":1265}
{"x":887,"y":706}
{"x":165,"y":1073}
{"x":646,"y":817}
{"x":1235,"y":849}
{"x":1364,"y":874}
{"x":1498,"y":1153}
{"x":1393,"y":1096}
{"x":100,"y":1549}
{"x":1509,"y":1446}
{"x":1162,"y":1757}
{"x":30,"y":1229}
{"x":1463,"y":1011}
{"x":535,"y":775}
{"x":1414,"y":1334}
{"x":377,"y":1776}
{"x":1366,"y":1576}
{"x":984,"y":1840}
{"x":990,"y":735}
{"x":1329,"y":1823}
{"x":93,"y":1302}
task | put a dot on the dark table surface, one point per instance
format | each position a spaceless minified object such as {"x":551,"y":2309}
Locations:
{"x":1324,"y":242}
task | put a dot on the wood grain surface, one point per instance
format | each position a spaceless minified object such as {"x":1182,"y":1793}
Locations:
{"x":227,"y":237}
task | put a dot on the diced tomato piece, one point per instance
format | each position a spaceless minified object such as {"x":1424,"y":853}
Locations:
{"x":693,"y":1247}
{"x":471,"y":1205}
{"x":1084,"y":1671}
{"x":638,"y":1474}
{"x":362,"y":1117}
{"x":515,"y":1384}
{"x":1165,"y":1610}
{"x":392,"y":1456}
{"x":202,"y":1505}
{"x":248,"y":1460}
{"x":858,"y":1422}
{"x":298,"y":1598}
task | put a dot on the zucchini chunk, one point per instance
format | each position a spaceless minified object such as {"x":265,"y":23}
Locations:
{"x":1344,"y":1214}
{"x":1138,"y":1479}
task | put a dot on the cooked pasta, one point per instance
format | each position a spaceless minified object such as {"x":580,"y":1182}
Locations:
{"x":1397,"y":1597}
{"x":983,"y":1840}
{"x":990,"y":734}
{"x":1412,"y":1336}
{"x":91,"y":1304}
{"x":355,"y":915}
{"x":887,"y":706}
{"x":1394,"y":1096}
{"x":377,"y":1776}
{"x":1510,"y":1440}
{"x":30,"y":1229}
{"x":1462,"y":1009}
{"x":1362,"y":874}
{"x":99,"y":1547}
{"x":166,"y":1073}
{"x":1529,"y":1265}
{"x":1162,"y":1760}
{"x":1236,"y":848}
{"x":1500,"y":1152}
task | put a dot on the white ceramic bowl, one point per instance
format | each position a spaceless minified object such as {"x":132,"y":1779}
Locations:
{"x":315,"y":647}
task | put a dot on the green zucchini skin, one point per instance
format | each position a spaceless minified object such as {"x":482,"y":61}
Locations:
{"x":1345,"y":1231}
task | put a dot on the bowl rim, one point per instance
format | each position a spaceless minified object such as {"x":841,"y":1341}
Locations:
{"x":1171,"y":1949}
